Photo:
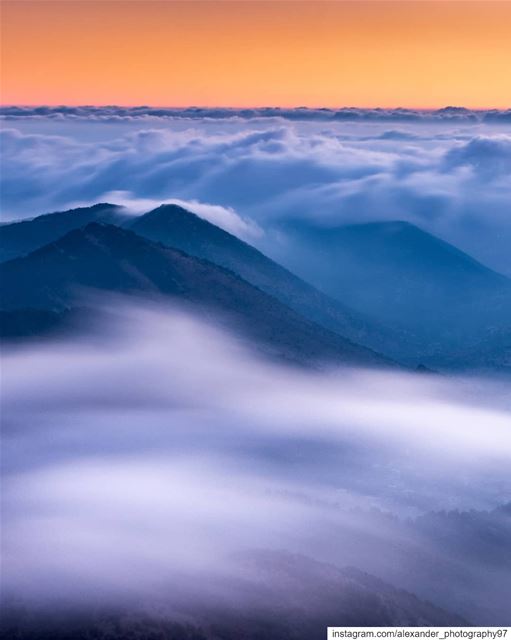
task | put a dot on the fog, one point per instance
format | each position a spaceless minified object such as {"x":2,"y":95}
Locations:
{"x":157,"y":452}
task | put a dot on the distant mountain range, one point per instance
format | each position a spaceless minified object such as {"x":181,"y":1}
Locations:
{"x":390,"y":286}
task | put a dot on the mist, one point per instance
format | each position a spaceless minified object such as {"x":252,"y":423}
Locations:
{"x":151,"y":458}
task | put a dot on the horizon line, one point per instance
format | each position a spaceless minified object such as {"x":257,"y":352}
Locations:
{"x":107,"y":105}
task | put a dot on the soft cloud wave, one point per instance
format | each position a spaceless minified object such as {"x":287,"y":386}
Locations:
{"x":223,"y":217}
{"x":133,"y":462}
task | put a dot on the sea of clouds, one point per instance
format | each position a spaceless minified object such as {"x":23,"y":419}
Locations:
{"x":152,"y":453}
{"x":447,"y":171}
{"x":161,"y":448}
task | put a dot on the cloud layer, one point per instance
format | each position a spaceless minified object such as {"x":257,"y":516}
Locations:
{"x":172,"y":448}
{"x":450,"y":114}
{"x":450,"y":176}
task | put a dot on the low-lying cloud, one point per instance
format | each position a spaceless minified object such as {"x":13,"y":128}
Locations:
{"x":131,"y":462}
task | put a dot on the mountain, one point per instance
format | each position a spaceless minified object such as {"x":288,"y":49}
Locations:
{"x":112,"y":259}
{"x":321,"y":594}
{"x":20,"y":324}
{"x":278,"y":596}
{"x":406,"y":278}
{"x":492,"y":353}
{"x":179,"y":228}
{"x":388,"y":286}
{"x":20,"y":238}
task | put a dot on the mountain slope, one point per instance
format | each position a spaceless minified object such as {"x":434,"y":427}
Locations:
{"x":26,"y":323}
{"x":176,"y":227}
{"x":112,"y":259}
{"x":20,"y":238}
{"x":279,"y":596}
{"x":405,"y":277}
{"x":322,"y":594}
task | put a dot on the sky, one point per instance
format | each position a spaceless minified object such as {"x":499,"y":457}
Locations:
{"x":413,"y":54}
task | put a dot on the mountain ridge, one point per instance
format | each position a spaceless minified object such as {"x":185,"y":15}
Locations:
{"x":24,"y":236}
{"x":112,"y":259}
{"x":177,"y":227}
{"x":389,"y":286}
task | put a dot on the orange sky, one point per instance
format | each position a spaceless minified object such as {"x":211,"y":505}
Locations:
{"x":312,"y":53}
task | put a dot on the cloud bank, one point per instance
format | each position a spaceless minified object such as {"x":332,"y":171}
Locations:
{"x":451,"y":178}
{"x":159,"y":455}
{"x":449,"y":114}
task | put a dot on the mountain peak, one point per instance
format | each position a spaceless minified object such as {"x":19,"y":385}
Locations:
{"x":399,"y":242}
{"x":399,"y":274}
{"x":75,"y":211}
{"x":170,"y":208}
{"x":176,"y":227}
{"x":175,"y":214}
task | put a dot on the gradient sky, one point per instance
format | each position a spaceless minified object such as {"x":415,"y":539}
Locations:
{"x":312,"y":53}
